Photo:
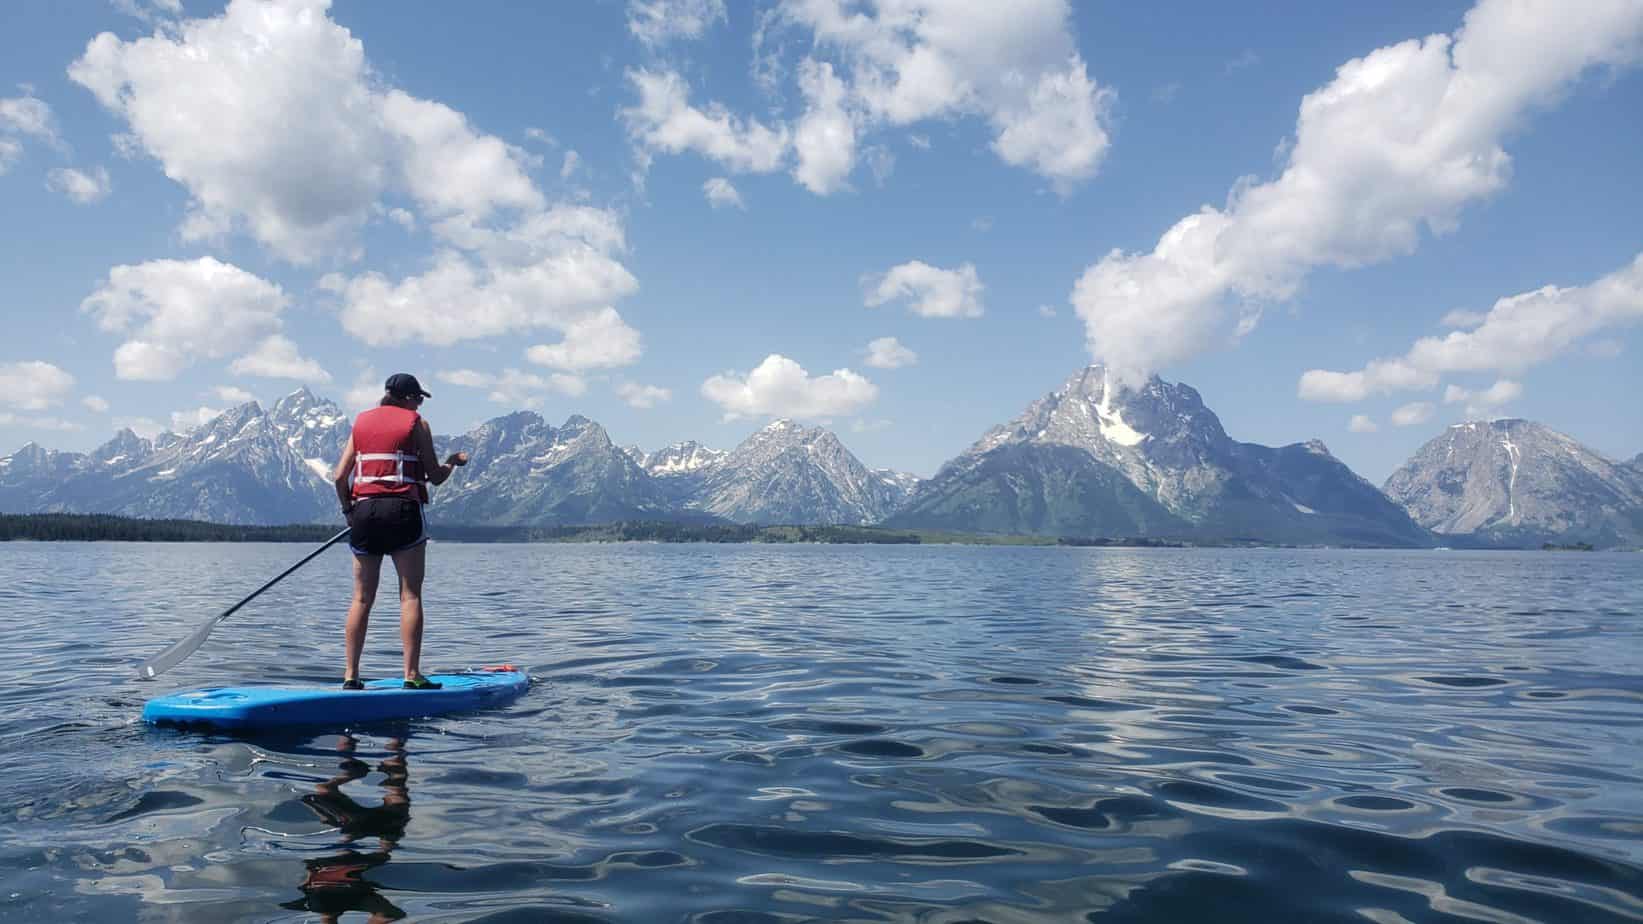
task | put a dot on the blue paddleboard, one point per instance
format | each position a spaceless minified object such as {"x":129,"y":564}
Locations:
{"x":381,"y":700}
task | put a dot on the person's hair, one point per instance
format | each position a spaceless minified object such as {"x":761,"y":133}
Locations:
{"x":389,"y":397}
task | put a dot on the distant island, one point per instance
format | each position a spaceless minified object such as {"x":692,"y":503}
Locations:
{"x":48,"y":527}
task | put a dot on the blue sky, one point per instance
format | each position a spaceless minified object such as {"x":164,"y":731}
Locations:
{"x":683,"y":217}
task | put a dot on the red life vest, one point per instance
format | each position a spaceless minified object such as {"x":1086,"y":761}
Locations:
{"x":385,"y":459}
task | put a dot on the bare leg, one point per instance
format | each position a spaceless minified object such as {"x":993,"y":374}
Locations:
{"x":367,"y":570}
{"x":410,"y":565}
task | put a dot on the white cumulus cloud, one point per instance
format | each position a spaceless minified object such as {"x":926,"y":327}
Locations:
{"x":556,"y":269}
{"x":512,"y":387}
{"x":1394,"y":147}
{"x":276,"y":357}
{"x":888,"y":353}
{"x":657,"y":22}
{"x":265,"y":114}
{"x":1016,"y":65}
{"x":184,"y":421}
{"x":643,"y":396}
{"x":10,"y":152}
{"x":24,"y":116}
{"x":601,"y":340}
{"x":365,"y":392}
{"x":233,"y":394}
{"x":82,"y":186}
{"x":1360,"y":423}
{"x":29,"y":115}
{"x":780,"y":387}
{"x":95,"y":403}
{"x":1480,"y":403}
{"x":664,"y":120}
{"x":1519,"y":332}
{"x":1460,"y":317}
{"x":177,"y":311}
{"x":721,"y":194}
{"x":451,"y":169}
{"x":273,"y":119}
{"x":1415,"y":412}
{"x":886,"y":64}
{"x":825,"y":140}
{"x":33,"y":385}
{"x":932,"y":292}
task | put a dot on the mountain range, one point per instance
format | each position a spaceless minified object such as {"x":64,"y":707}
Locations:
{"x":1094,"y":458}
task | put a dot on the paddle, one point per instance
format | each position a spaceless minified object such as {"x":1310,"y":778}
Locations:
{"x":173,"y":656}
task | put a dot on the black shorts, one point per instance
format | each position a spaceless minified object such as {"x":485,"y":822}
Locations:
{"x":385,"y":525}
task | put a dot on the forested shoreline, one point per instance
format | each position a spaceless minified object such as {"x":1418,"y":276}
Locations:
{"x":78,"y":527}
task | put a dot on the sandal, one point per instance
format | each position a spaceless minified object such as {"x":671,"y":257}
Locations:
{"x":422,"y":683}
{"x":353,"y":684}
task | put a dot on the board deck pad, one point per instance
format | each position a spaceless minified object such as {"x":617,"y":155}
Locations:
{"x":381,"y":700}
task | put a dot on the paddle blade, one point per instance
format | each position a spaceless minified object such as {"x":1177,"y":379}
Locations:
{"x":173,"y":656}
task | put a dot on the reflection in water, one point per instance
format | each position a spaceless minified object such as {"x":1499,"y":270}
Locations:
{"x":336,"y":884}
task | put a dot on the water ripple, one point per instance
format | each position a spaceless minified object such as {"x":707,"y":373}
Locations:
{"x":774,"y":734}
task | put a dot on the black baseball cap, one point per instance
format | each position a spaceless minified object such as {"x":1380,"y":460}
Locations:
{"x":404,"y":383}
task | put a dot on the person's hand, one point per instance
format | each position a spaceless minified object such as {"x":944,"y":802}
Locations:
{"x":457,"y":458}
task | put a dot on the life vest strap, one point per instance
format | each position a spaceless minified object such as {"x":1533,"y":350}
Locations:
{"x":398,"y":458}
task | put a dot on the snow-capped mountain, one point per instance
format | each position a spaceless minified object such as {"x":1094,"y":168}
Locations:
{"x":684,"y":458}
{"x":901,"y":485}
{"x":788,"y":474}
{"x":1098,"y":458}
{"x":680,"y":468}
{"x":1517,"y":482}
{"x":27,"y":474}
{"x":314,"y":429}
{"x":243,"y":466}
{"x":248,"y":465}
{"x":523,"y":471}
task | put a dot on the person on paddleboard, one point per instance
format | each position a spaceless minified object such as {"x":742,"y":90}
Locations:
{"x":382,"y":481}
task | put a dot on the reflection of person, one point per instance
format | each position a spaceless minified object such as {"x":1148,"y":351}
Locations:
{"x":382,"y":481}
{"x":336,"y":884}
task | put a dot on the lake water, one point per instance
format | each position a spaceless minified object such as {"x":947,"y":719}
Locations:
{"x":867,"y":733}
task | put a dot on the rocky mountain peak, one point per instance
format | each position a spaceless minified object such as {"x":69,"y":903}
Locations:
{"x":125,"y":447}
{"x":303,"y":403}
{"x":788,"y":473}
{"x":581,"y":430}
{"x":1515,"y":480}
{"x":232,"y":420}
{"x":1103,"y":457}
{"x":509,"y":428}
{"x":683,"y":458}
{"x":32,"y":457}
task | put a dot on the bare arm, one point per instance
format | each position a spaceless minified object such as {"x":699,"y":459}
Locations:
{"x":437,"y":471}
{"x":344,"y":469}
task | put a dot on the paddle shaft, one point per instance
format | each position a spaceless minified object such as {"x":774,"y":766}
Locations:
{"x":175,"y":655}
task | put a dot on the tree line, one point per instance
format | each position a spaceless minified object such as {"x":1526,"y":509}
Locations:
{"x":94,"y":527}
{"x":98,"y":527}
